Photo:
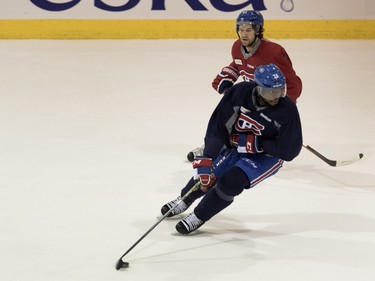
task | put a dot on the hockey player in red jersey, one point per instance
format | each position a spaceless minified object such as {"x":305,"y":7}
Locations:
{"x":251,"y":50}
{"x":248,"y":52}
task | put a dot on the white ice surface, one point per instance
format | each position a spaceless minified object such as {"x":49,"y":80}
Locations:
{"x":93,"y":141}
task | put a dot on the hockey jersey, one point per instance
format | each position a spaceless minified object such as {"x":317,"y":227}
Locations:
{"x":278,"y":128}
{"x":266,"y":53}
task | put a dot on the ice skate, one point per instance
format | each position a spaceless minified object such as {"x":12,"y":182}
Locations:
{"x":181,"y":207}
{"x":195,"y":152}
{"x":189,"y":224}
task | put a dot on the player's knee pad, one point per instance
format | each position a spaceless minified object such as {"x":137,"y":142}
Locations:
{"x":231,"y":184}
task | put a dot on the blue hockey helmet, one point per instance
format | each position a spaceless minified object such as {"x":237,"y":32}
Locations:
{"x":271,"y":81}
{"x":251,"y":17}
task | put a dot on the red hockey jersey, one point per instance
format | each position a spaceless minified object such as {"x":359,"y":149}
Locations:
{"x":267,"y":52}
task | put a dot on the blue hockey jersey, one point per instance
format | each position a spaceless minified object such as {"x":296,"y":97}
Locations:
{"x":278,"y":128}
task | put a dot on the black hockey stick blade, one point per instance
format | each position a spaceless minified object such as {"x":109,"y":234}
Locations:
{"x":121,"y":264}
{"x":333,"y":163}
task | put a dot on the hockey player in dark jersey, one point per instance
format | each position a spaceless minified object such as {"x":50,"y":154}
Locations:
{"x":248,"y":52}
{"x":258,"y":127}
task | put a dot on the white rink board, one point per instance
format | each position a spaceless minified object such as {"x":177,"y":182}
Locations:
{"x":180,"y":9}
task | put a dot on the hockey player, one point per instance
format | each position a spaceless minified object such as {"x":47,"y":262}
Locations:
{"x":248,"y":52}
{"x":251,"y":50}
{"x":261,"y":128}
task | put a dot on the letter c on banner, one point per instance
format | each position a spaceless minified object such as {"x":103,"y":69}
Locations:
{"x":131,"y":4}
{"x":54,"y":7}
{"x":221,"y":5}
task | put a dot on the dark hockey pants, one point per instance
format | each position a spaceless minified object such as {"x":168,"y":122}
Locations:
{"x":231,"y":184}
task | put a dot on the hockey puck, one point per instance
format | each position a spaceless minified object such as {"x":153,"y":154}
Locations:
{"x":121,"y":264}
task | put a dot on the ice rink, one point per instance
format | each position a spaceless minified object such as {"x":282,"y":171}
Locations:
{"x":93,"y":141}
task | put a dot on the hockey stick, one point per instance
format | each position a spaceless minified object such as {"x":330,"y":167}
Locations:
{"x":333,"y":163}
{"x":122,"y":264}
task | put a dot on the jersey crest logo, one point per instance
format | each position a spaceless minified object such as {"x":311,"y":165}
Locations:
{"x":246,"y":124}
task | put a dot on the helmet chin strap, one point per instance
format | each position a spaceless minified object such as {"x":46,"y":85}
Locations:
{"x":255,"y":39}
{"x":249,"y":51}
{"x":259,"y":98}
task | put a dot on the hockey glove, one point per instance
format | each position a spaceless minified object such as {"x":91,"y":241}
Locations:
{"x":233,"y":139}
{"x":225,"y":79}
{"x":245,"y":143}
{"x":202,"y":171}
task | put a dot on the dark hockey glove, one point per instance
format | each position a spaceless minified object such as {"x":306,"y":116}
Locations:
{"x":245,"y":143}
{"x":225,"y":79}
{"x":203,"y":171}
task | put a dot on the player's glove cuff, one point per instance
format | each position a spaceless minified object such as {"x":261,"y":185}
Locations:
{"x":248,"y":143}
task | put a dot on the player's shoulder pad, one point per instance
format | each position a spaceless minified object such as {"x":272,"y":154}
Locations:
{"x":244,"y":85}
{"x":241,"y":89}
{"x":272,"y":46}
{"x":288,"y":104}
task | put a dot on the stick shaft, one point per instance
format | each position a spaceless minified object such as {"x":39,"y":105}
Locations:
{"x":325,"y":159}
{"x":192,"y":189}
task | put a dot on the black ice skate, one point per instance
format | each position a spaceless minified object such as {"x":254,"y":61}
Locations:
{"x":181,"y":207}
{"x":195,"y":152}
{"x":189,"y":224}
